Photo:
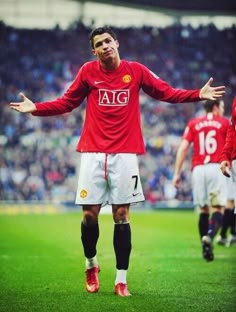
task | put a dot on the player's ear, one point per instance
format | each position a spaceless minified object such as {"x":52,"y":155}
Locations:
{"x":94,"y":52}
{"x":117,"y":43}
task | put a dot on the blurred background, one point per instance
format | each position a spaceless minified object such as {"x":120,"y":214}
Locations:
{"x":43,"y":44}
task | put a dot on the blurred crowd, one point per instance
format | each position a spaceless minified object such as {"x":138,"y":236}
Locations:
{"x":37,"y":155}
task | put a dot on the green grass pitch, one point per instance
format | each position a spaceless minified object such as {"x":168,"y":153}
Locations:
{"x":42,"y":266}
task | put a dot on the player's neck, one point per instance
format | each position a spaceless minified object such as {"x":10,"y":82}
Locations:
{"x":111,"y":64}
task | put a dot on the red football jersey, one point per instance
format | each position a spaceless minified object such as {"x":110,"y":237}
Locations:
{"x":229,"y":150}
{"x":207,"y":134}
{"x":112,"y":122}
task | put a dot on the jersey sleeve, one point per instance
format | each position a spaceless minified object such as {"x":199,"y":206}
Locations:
{"x":228,"y":147}
{"x":159,"y":89}
{"x":71,"y":99}
{"x":188,"y":132}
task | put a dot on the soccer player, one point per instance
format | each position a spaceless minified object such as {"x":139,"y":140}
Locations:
{"x":228,"y":168}
{"x":110,"y":141}
{"x":229,"y":217}
{"x":207,"y":135}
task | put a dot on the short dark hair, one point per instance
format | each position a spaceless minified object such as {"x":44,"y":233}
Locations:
{"x":99,"y":31}
{"x":209,"y":104}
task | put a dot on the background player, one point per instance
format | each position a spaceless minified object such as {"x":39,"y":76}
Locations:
{"x":207,"y":134}
{"x":228,"y":222}
{"x":110,"y":141}
{"x":228,"y":167}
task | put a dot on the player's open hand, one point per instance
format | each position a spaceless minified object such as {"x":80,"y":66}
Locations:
{"x":208,"y":92}
{"x":26,"y":106}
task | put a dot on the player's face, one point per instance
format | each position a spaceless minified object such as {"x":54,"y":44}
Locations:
{"x":105,"y":47}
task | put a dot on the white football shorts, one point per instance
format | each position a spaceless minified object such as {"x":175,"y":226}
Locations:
{"x":108,"y":179}
{"x":209,"y":185}
{"x":232,"y":182}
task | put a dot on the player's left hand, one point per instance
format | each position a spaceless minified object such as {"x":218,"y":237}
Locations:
{"x":225,"y":168}
{"x":208,"y":92}
{"x":176,"y":180}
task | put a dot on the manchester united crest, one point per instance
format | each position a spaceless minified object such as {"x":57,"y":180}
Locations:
{"x":83,"y":194}
{"x":126,"y":78}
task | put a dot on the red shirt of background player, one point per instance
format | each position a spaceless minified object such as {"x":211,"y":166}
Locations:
{"x":229,"y":150}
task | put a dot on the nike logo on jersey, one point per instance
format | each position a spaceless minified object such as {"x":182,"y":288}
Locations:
{"x":135,"y":194}
{"x":97,"y":82}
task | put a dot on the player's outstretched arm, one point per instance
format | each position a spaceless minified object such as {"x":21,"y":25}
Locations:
{"x":208,"y":92}
{"x":26,"y":106}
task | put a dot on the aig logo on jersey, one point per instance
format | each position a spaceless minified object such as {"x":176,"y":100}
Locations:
{"x":113,"y":97}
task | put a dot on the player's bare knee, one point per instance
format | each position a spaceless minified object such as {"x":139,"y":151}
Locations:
{"x":205,"y":209}
{"x":230,"y":204}
{"x":90,"y":218}
{"x":90,"y":214}
{"x":121,"y":214}
{"x":218,"y":209}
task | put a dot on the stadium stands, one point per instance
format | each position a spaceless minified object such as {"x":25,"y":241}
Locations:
{"x":37,"y":155}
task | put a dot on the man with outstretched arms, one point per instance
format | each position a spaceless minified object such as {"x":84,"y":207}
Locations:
{"x":110,"y":141}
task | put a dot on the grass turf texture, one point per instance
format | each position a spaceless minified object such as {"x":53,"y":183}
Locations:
{"x":42,"y":266}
